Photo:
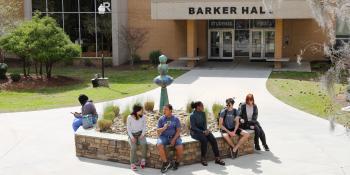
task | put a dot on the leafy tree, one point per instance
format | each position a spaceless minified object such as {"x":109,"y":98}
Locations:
{"x":42,"y":41}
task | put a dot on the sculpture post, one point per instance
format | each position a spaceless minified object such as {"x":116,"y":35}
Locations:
{"x":163,"y":80}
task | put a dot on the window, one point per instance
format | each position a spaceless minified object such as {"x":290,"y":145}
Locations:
{"x":78,"y":18}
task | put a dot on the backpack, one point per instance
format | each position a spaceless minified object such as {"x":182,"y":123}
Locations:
{"x":218,"y":118}
{"x":88,"y":121}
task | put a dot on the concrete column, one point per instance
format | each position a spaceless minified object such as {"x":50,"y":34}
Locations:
{"x":119,"y":20}
{"x":278,"y":42}
{"x":27,"y":9}
{"x":192,"y":38}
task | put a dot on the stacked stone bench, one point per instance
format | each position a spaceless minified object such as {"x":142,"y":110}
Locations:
{"x":114,"y":147}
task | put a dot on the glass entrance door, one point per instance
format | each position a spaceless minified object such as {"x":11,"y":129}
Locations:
{"x":256,"y":46}
{"x":227,"y":44}
{"x":262,"y":44}
{"x":221,"y":44}
{"x":269,"y":38}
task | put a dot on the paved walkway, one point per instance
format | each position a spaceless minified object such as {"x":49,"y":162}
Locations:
{"x":42,"y":142}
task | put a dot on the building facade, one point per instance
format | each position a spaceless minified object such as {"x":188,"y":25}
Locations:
{"x":221,"y":29}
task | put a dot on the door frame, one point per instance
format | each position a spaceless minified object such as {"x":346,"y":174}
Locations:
{"x":263,"y":43}
{"x":221,"y":44}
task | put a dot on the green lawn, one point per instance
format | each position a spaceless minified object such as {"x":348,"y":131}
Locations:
{"x":302,"y":90}
{"x":123,"y":83}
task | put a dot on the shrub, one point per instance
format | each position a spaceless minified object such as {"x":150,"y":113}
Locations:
{"x":110,"y":112}
{"x":136,"y":58}
{"x":88,"y":62}
{"x":104,"y":125}
{"x":3,"y":70}
{"x":154,"y":56}
{"x":125,"y":114}
{"x":188,"y":107}
{"x":149,"y":105}
{"x":216,"y":108}
{"x":15,"y":77}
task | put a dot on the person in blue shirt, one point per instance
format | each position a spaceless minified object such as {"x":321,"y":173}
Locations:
{"x":169,"y":129}
{"x":200,"y":132}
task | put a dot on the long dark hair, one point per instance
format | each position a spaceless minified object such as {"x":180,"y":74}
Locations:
{"x":136,"y":108}
{"x":194,"y":105}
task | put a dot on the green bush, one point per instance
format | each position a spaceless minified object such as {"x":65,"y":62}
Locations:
{"x":15,"y":77}
{"x":110,"y":112}
{"x":136,"y":58}
{"x":188,"y":107}
{"x":125,"y":114}
{"x":154,"y":56}
{"x":216,"y":108}
{"x":3,"y":70}
{"x":104,"y":125}
{"x":149,"y":105}
{"x":88,"y":62}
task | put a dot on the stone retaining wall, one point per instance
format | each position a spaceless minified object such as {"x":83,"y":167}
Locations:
{"x":114,"y":147}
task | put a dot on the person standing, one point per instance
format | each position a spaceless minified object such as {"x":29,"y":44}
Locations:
{"x":200,"y":132}
{"x":136,"y":127}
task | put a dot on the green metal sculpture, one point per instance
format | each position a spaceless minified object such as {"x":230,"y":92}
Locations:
{"x":163,"y":80}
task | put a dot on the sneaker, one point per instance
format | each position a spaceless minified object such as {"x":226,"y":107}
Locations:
{"x":220,"y":162}
{"x":176,"y":165}
{"x":133,"y":167}
{"x":165,"y":167}
{"x":143,"y":163}
{"x":257,"y":147}
{"x":266,"y":148}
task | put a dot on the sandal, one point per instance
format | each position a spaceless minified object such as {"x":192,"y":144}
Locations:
{"x":220,"y":162}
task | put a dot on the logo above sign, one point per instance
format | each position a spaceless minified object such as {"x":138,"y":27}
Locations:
{"x":227,"y":10}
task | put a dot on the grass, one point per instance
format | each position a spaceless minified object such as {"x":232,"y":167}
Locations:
{"x":123,"y":83}
{"x":302,"y":90}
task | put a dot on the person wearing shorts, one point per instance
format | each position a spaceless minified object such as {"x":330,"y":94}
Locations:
{"x":169,"y":129}
{"x":229,"y":127}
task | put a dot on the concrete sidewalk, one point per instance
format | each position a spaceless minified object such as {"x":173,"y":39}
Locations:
{"x":42,"y":142}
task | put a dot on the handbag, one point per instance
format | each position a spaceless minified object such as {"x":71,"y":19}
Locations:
{"x":88,"y":121}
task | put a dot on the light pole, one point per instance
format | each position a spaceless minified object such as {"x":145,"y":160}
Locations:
{"x":102,"y":11}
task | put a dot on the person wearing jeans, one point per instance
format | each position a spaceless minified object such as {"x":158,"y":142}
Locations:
{"x":169,"y":129}
{"x":136,"y":127}
{"x":200,"y":132}
{"x":249,"y":115}
{"x":87,"y":108}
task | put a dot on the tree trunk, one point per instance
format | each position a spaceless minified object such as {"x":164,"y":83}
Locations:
{"x":24,"y":67}
{"x":36,"y":68}
{"x":41,"y":69}
{"x":49,"y":75}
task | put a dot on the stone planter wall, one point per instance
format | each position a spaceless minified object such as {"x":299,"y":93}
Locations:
{"x":113,"y":147}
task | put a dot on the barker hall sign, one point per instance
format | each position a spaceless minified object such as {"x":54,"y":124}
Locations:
{"x":232,"y":10}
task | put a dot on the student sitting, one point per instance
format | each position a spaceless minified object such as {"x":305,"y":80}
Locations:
{"x":88,"y":108}
{"x":136,"y":127}
{"x":249,"y":114}
{"x":200,"y":132}
{"x":169,"y":129}
{"x":229,"y":127}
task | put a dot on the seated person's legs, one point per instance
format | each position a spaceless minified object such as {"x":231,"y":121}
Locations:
{"x":161,"y":143}
{"x":77,"y":122}
{"x":245,"y":135}
{"x":228,"y":139}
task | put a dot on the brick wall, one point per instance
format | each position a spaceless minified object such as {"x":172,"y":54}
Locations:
{"x":113,"y":147}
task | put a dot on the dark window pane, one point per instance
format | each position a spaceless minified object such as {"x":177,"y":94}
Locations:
{"x":87,"y":5}
{"x":242,"y":43}
{"x":263,"y":23}
{"x":70,"y":5}
{"x":58,"y":18}
{"x":242,"y":24}
{"x":39,"y":5}
{"x":71,"y":26}
{"x":88,"y":34}
{"x":54,"y":5}
{"x":104,"y":31}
